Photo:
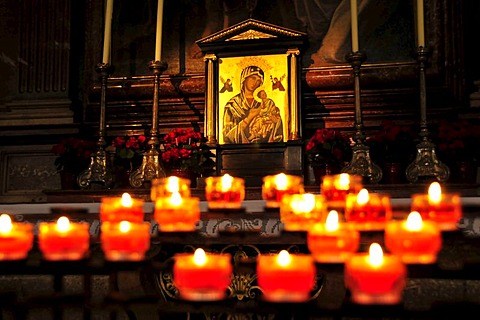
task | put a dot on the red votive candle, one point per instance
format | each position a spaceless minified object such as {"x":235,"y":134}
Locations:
{"x":413,"y":240}
{"x":124,"y":208}
{"x":64,"y":240}
{"x":202,"y":276}
{"x":274,"y":187}
{"x":225,"y":192}
{"x":286,"y":277}
{"x":375,"y":277}
{"x":368,"y":211}
{"x":16,"y":239}
{"x":336,"y":187}
{"x":443,"y":208}
{"x":332,"y":241}
{"x":298,"y":212}
{"x":125,"y":241}
{"x":165,"y":187}
{"x":175,"y":213}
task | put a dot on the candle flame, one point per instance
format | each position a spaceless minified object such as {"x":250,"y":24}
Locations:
{"x":284,"y":258}
{"x":173,"y":184}
{"x":344,"y":181}
{"x":63,"y":224}
{"x":304,"y":203}
{"x":435,"y":192}
{"x":176,"y":199}
{"x":199,"y":257}
{"x":124,"y":226}
{"x":127,"y":200}
{"x":375,"y":254}
{"x":363,"y":196}
{"x":5,"y":223}
{"x":331,"y":223}
{"x":227,"y":181}
{"x":281,"y":181}
{"x":414,"y":221}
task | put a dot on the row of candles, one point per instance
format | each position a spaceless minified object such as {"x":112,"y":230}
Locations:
{"x":332,"y":235}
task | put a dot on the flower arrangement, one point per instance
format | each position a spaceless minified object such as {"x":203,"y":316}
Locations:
{"x":128,"y":151}
{"x":73,"y":154}
{"x":457,"y":140}
{"x":393,"y":143}
{"x":185,"y":149}
{"x":328,"y":146}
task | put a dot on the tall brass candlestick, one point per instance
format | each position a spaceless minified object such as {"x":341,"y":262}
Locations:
{"x":151,"y":165}
{"x":361,"y":163}
{"x":426,"y":163}
{"x":98,"y":170}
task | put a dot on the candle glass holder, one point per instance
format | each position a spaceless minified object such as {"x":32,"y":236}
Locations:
{"x":112,"y":209}
{"x":165,"y":187}
{"x":125,"y":241}
{"x":336,"y":187}
{"x":72,"y":244}
{"x":274,"y":187}
{"x":181,"y":214}
{"x":16,"y":243}
{"x":221,"y":196}
{"x":292,"y":282}
{"x":333,"y":246}
{"x":202,"y":282}
{"x":413,"y":246}
{"x":369,"y":216}
{"x":446,"y":213}
{"x":298,"y":212}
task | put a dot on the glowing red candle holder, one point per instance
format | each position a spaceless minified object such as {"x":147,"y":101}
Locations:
{"x":443,"y":208}
{"x":202,"y":276}
{"x":375,"y":277}
{"x":16,"y":239}
{"x":300,"y":211}
{"x":286,"y":277}
{"x":274,"y":187}
{"x":165,"y":187}
{"x":225,"y":192}
{"x":413,"y":240}
{"x":336,"y":187}
{"x":125,"y":241}
{"x":124,"y":208}
{"x":64,"y":240}
{"x":332,"y":241}
{"x":369,"y":211}
{"x":175,"y":213}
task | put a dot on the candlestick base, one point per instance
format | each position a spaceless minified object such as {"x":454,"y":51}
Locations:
{"x":98,"y":171}
{"x":426,"y":163}
{"x":362,"y":164}
{"x":150,"y":169}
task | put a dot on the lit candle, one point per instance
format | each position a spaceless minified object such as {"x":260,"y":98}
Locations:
{"x":224,"y":192}
{"x":176,"y":213}
{"x":332,"y":241}
{"x":158,"y":42}
{"x":375,"y":277}
{"x":413,"y":240}
{"x":125,"y":241}
{"x":336,"y":187}
{"x":368,"y":211}
{"x":354,"y":16}
{"x":64,"y":240}
{"x":124,"y":208}
{"x":107,"y":36}
{"x":300,"y":211}
{"x":202,"y":276}
{"x":165,"y":187}
{"x":286,"y":277}
{"x":443,"y":208}
{"x":420,"y":24}
{"x":16,"y":239}
{"x":275,"y":186}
